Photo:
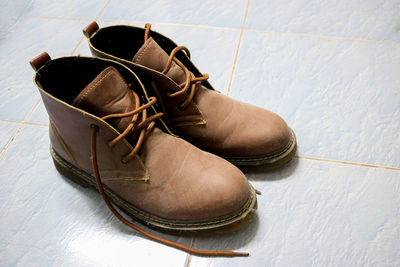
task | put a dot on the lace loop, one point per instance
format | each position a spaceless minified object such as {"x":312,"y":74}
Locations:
{"x":145,"y":127}
{"x":191,"y":81}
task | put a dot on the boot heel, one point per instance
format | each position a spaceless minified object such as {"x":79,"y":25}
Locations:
{"x":67,"y":173}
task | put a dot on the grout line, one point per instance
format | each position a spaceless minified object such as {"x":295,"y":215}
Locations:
{"x":36,"y":124}
{"x":11,"y":121}
{"x":77,"y":45}
{"x":102,"y":10}
{"x":170,"y":24}
{"x":327,"y":37}
{"x":19,"y":129}
{"x":299,"y":157}
{"x":238,"y":47}
{"x":25,"y":121}
{"x":350,"y":163}
{"x":189,"y":256}
{"x":316,"y":36}
{"x":11,"y":140}
{"x":98,"y":15}
{"x":56,"y":18}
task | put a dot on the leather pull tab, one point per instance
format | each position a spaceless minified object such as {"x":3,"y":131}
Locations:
{"x":39,"y":61}
{"x":90,"y":29}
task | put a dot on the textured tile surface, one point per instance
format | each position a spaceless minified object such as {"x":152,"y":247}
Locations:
{"x":223,"y":13}
{"x":30,"y":37}
{"x":341,"y":97}
{"x":10,"y":12}
{"x":377,"y":20}
{"x":318,"y":214}
{"x":40,"y":115}
{"x":47,"y":220}
{"x":69,"y":9}
{"x":7,"y":130}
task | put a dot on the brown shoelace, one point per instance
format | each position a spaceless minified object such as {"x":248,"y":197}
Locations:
{"x":144,"y":126}
{"x":191,"y":82}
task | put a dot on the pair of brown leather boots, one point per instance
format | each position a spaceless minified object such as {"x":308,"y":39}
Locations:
{"x":141,"y":124}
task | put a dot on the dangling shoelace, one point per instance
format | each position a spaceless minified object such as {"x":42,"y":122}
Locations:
{"x":191,"y":82}
{"x":144,"y":126}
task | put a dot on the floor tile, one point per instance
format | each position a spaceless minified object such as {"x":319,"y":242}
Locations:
{"x":10,"y":13}
{"x":29,"y":38}
{"x":49,"y":221}
{"x":315,"y":213}
{"x":40,"y":115}
{"x":341,"y":97}
{"x":213,"y":13}
{"x":71,"y":9}
{"x":377,"y":20}
{"x":7,"y":130}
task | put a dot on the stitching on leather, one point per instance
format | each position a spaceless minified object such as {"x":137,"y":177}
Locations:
{"x":61,"y":140}
{"x":141,"y":215}
{"x":157,"y":73}
{"x":123,"y":178}
{"x":265,"y":157}
{"x":141,"y":53}
{"x":91,"y":88}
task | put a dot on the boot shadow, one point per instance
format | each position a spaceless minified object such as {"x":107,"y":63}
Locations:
{"x":263,"y":173}
{"x":230,"y":241}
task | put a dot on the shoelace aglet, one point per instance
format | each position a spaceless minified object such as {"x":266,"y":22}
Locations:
{"x":257,"y":192}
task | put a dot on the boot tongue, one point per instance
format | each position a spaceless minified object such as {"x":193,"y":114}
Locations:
{"x":107,"y":94}
{"x":154,"y":57}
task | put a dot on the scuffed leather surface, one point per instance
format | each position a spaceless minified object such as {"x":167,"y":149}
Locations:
{"x":341,"y":96}
{"x":235,"y":128}
{"x":187,"y":183}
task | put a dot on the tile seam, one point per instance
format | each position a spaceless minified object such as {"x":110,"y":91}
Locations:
{"x":359,"y":164}
{"x":102,"y":10}
{"x":314,"y":36}
{"x":238,"y":47}
{"x":17,"y":132}
{"x":189,"y":256}
{"x":349,"y":163}
{"x":10,"y":121}
{"x":327,"y":37}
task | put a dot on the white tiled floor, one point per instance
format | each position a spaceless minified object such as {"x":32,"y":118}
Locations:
{"x":331,"y":69}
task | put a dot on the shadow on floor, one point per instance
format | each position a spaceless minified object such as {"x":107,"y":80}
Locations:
{"x":261,"y":173}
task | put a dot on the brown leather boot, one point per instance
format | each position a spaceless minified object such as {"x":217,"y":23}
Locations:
{"x":239,"y":132}
{"x":106,"y":133}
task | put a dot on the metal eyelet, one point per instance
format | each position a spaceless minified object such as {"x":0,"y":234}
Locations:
{"x":180,"y":108}
{"x":123,"y":160}
{"x":94,"y":126}
{"x":109,"y":143}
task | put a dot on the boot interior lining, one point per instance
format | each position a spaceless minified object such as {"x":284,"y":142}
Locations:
{"x":65,"y":78}
{"x":124,"y":41}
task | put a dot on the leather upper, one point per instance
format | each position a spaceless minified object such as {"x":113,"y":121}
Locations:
{"x":169,"y":177}
{"x":213,"y":122}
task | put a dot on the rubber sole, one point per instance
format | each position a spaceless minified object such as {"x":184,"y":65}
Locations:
{"x":269,"y":161}
{"x":220,"y":225}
